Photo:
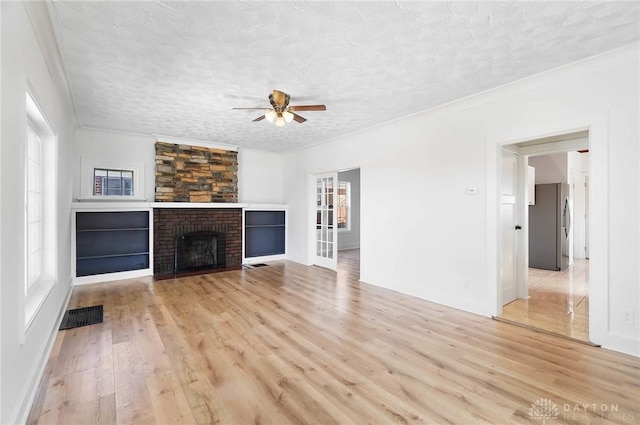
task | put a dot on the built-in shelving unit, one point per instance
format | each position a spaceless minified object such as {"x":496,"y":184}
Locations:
{"x":264,"y":233}
{"x":114,"y":240}
{"x":111,"y":241}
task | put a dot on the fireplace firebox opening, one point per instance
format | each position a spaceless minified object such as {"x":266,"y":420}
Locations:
{"x":201,"y":250}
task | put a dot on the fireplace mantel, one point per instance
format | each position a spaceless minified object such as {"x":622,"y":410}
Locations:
{"x":197,"y":205}
{"x":125,"y":205}
{"x":138,"y":205}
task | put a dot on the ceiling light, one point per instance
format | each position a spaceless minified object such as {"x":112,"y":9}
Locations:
{"x":271,"y":115}
{"x":288,"y":116}
{"x":280,"y":121}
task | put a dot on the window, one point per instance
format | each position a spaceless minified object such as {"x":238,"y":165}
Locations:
{"x":34,"y":206}
{"x":344,"y":206}
{"x":112,"y":182}
{"x":40,"y":230}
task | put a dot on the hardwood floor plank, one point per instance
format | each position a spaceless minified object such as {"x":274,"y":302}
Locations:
{"x":558,"y":301}
{"x":133,"y":403}
{"x":168,"y":401}
{"x":289,"y":344}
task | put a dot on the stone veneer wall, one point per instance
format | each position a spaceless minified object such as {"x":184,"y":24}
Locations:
{"x":195,"y":174}
{"x":170,"y":223}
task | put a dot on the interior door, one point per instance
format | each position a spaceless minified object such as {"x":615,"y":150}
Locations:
{"x":326,"y":249}
{"x":508,"y":223}
{"x":586,"y":216}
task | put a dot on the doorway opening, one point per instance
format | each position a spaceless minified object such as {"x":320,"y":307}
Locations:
{"x":335,"y":227}
{"x":550,"y":285}
{"x":348,"y":223}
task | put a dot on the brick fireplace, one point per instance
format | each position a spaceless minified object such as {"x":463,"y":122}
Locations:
{"x":169,"y":224}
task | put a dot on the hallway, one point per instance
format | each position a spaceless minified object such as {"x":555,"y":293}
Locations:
{"x":558,"y":303}
{"x":349,"y":263}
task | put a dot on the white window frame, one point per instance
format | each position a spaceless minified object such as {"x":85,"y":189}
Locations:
{"x":348,"y":206}
{"x":87,"y":170}
{"x":36,"y":292}
{"x":34,"y":194}
{"x":107,"y":178}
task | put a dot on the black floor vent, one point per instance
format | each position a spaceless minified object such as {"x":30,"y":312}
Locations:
{"x":81,"y":317}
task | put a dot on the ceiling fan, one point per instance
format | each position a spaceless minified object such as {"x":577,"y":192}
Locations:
{"x":280,"y":111}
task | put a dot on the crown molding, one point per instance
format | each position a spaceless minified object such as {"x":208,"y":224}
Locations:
{"x":104,"y":134}
{"x":194,"y":142}
{"x":40,"y":14}
{"x":615,"y":57}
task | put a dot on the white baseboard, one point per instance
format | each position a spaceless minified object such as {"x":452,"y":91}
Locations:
{"x":622,"y":344}
{"x":265,"y":258}
{"x":107,"y":277}
{"x":30,"y":396}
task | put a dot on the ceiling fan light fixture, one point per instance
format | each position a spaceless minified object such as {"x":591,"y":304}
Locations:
{"x":280,"y":112}
{"x":288,"y":116}
{"x":271,"y":115}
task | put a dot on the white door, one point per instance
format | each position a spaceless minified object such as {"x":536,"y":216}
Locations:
{"x":579,"y":216}
{"x":326,"y":246}
{"x":586,"y":216}
{"x":508,"y":220}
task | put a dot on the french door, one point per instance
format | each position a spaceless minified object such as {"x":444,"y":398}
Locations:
{"x":326,"y":243}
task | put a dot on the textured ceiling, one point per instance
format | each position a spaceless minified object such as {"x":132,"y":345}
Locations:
{"x":177,"y":68}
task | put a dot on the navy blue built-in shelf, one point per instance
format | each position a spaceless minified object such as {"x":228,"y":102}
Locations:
{"x":108,"y":242}
{"x":264,"y":233}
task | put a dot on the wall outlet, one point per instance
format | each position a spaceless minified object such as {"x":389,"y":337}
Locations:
{"x":628,"y":317}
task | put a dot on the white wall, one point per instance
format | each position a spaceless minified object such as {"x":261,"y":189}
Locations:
{"x":259,"y":177}
{"x":29,"y":60}
{"x":550,"y":168}
{"x":115,"y":148}
{"x":351,"y":238}
{"x":259,"y":173}
{"x":575,"y":163}
{"x":415,"y":173}
{"x":1,"y":209}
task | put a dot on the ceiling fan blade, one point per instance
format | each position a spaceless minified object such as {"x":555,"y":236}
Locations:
{"x":260,"y":118}
{"x":308,"y":108}
{"x":298,"y":118}
{"x":260,"y":109}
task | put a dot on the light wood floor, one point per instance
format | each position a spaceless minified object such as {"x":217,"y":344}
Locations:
{"x":349,"y":264}
{"x":558,"y":301}
{"x":289,"y":344}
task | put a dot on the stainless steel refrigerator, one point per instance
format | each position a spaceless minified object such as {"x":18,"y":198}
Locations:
{"x":549,"y":227}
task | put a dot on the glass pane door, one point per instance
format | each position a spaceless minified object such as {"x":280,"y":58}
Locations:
{"x":326,"y":244}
